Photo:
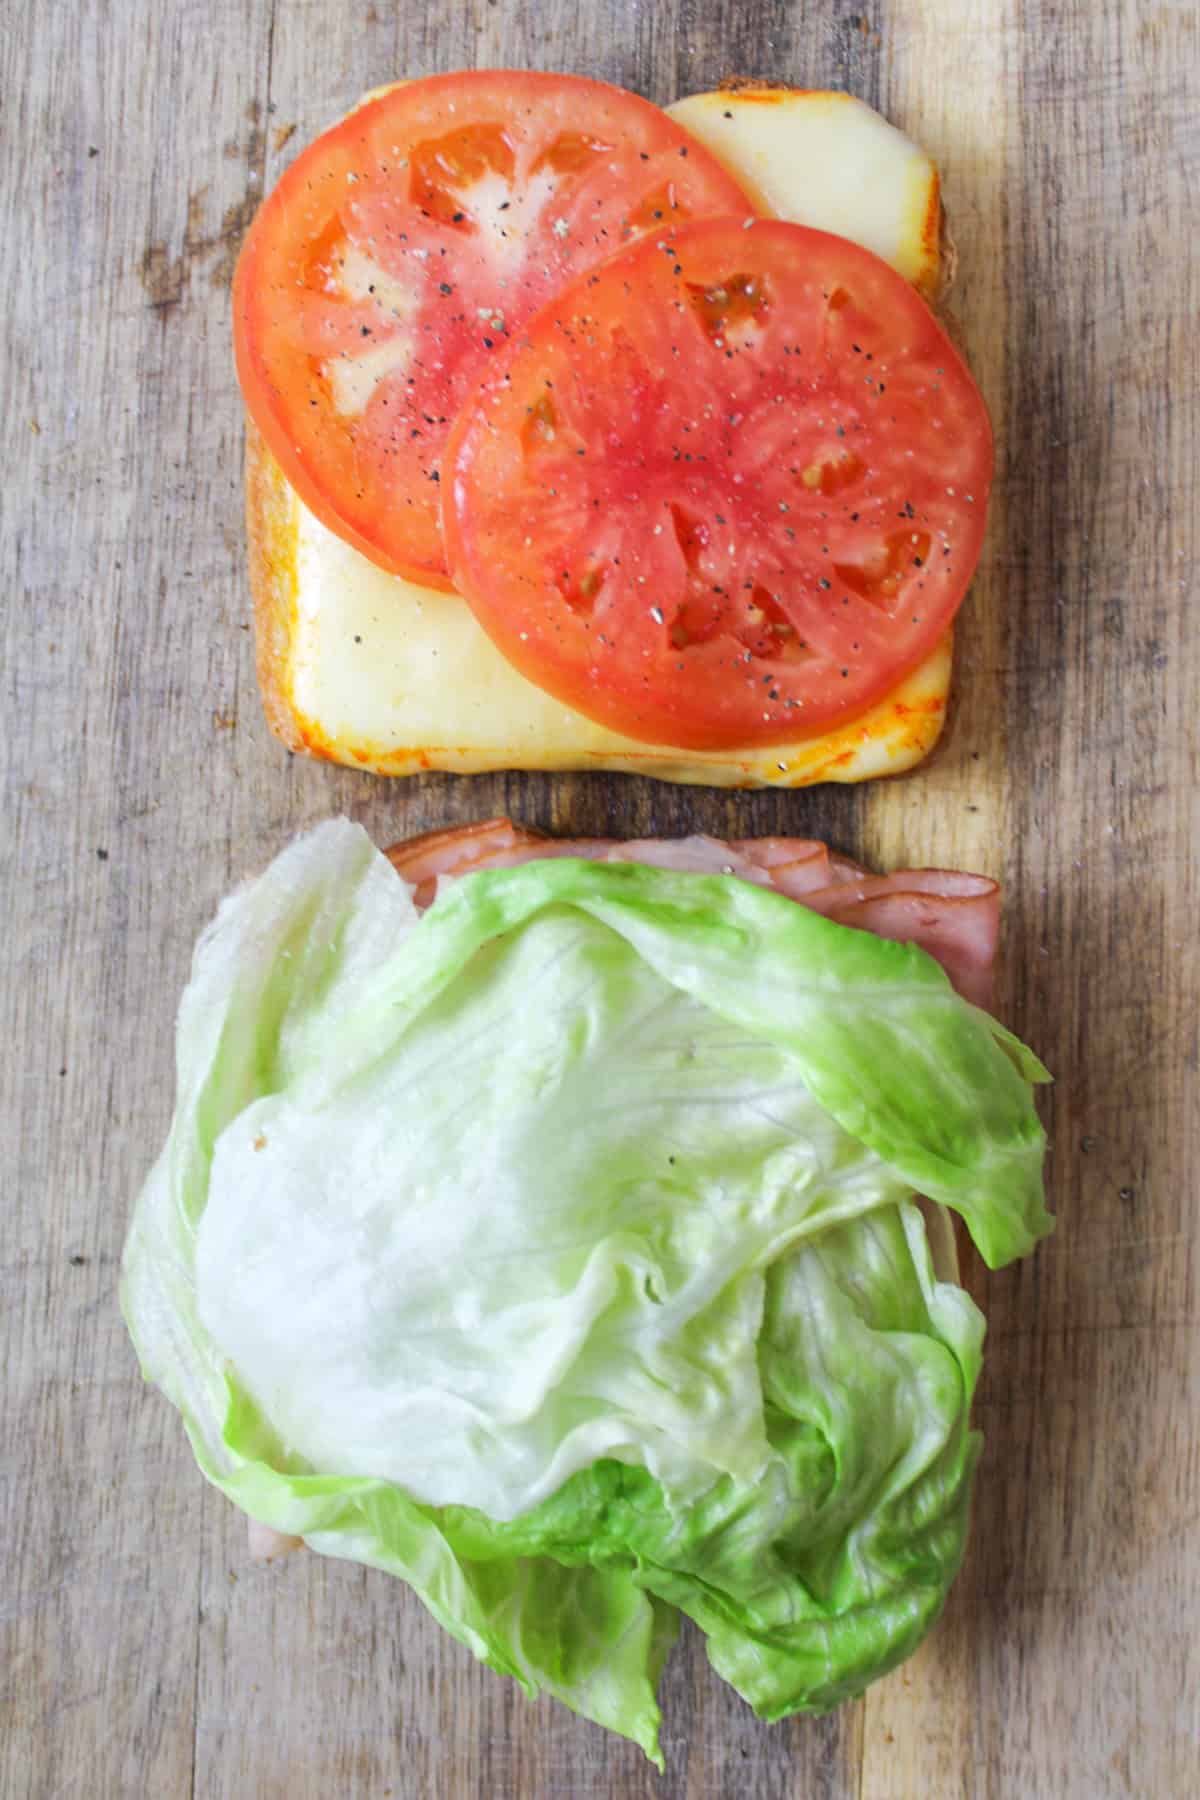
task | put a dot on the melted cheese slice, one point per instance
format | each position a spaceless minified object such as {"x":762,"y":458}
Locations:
{"x":373,"y":671}
{"x":829,"y":161}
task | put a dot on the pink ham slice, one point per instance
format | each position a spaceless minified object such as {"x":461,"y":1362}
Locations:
{"x":423,"y":860}
{"x":266,"y":1543}
{"x":955,"y":917}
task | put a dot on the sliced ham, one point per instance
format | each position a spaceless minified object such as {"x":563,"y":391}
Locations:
{"x":265,"y":1543}
{"x":439,"y":854}
{"x":691,"y":856}
{"x":955,"y":917}
{"x":798,"y":866}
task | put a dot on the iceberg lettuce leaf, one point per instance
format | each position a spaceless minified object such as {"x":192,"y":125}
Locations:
{"x":555,"y":1253}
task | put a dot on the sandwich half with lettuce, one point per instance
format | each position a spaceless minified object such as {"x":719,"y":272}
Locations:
{"x":560,"y":1228}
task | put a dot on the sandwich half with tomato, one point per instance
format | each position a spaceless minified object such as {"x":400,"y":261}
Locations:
{"x":585,"y":434}
{"x":565,"y":1228}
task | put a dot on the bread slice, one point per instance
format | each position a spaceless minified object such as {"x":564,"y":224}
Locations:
{"x":376,"y":672}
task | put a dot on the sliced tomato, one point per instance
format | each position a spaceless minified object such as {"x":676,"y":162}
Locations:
{"x":726,"y":490}
{"x":401,"y":250}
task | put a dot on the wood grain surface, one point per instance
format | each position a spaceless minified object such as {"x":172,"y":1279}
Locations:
{"x":142,"y":1653}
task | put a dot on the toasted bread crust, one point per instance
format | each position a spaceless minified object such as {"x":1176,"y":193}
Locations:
{"x":272,"y":583}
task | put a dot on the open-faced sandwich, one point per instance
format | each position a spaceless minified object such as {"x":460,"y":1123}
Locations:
{"x":564,"y":1228}
{"x":585,"y":434}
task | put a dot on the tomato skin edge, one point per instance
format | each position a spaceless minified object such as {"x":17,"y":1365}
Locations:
{"x":266,"y":403}
{"x":564,"y":687}
{"x":533,"y":652}
{"x":253,"y":378}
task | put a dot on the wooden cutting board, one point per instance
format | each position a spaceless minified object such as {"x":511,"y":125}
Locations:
{"x":143,"y":1654}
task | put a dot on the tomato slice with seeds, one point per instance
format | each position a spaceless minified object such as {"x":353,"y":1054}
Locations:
{"x":726,"y":490}
{"x":401,"y":250}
